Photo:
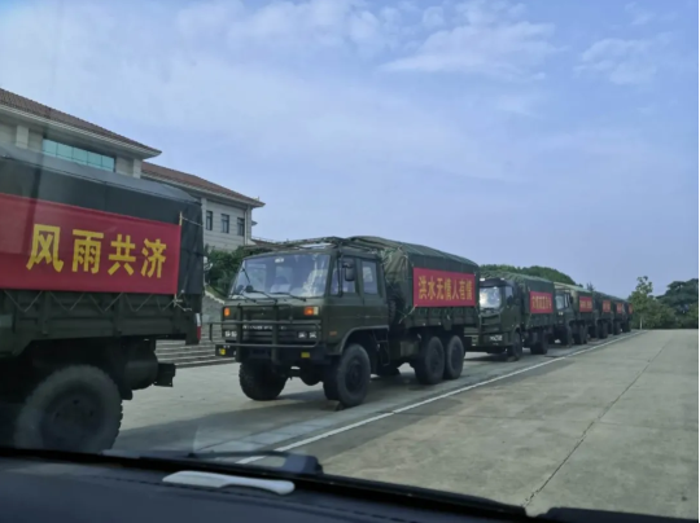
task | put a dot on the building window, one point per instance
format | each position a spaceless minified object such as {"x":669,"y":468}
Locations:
{"x":225,"y":223}
{"x":240,"y":223}
{"x":209,"y":220}
{"x":77,"y":155}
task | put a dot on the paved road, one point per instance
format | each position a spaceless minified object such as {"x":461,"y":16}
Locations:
{"x":613,"y":427}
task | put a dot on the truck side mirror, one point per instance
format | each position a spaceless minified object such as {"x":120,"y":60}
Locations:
{"x":348,"y":270}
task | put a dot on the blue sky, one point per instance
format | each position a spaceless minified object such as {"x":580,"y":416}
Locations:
{"x":553,"y":133}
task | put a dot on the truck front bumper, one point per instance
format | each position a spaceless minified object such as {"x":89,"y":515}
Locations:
{"x":492,"y":340}
{"x":280,"y":354}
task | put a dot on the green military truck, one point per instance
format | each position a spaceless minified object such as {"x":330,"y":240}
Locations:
{"x":621,"y":316}
{"x":603,"y":304}
{"x":516,"y":311}
{"x":576,"y":314}
{"x":335,"y":311}
{"x":96,"y":267}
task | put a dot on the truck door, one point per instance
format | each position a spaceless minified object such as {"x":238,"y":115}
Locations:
{"x":349,"y":312}
{"x":375,"y":310}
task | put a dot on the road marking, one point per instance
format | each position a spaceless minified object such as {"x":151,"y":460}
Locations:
{"x":432,"y":399}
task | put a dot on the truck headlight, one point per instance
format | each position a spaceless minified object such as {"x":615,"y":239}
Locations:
{"x":230,"y":334}
{"x":496,"y":337}
{"x":302,"y":335}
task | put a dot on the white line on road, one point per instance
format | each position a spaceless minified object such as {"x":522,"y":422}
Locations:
{"x":432,"y":399}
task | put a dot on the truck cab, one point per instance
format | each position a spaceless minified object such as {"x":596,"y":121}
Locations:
{"x":565,"y":316}
{"x":500,"y":314}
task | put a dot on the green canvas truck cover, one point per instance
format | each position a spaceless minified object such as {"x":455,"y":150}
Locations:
{"x":420,"y":276}
{"x":604,"y":303}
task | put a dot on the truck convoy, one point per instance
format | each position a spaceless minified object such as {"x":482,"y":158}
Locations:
{"x":335,"y":311}
{"x":96,"y":267}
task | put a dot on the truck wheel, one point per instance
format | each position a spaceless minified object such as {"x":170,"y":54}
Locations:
{"x":76,"y":408}
{"x":347,"y":380}
{"x":604,"y":331}
{"x":260,"y":381}
{"x":567,"y":337}
{"x":515,"y":351}
{"x":454,"y":358}
{"x":430,"y":363}
{"x":542,"y":345}
{"x":578,"y":335}
{"x":616,"y":329}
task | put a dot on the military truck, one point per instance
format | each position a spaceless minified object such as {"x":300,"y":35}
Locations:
{"x":605,"y":321}
{"x":621,"y":316}
{"x":516,"y":311}
{"x":576,"y":315}
{"x":334,"y":311}
{"x":96,"y":267}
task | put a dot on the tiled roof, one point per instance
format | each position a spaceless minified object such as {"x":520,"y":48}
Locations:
{"x":196,"y":182}
{"x":21,"y":103}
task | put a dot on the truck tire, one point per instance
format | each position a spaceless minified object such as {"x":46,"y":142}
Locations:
{"x":430,"y":362}
{"x":603,"y":331}
{"x":515,"y":351}
{"x":578,"y":335}
{"x":567,"y":337}
{"x":616,"y":329}
{"x":542,"y":345}
{"x":584,"y":334}
{"x":76,"y":408}
{"x":260,"y":381}
{"x":454,"y":358}
{"x":347,"y":379}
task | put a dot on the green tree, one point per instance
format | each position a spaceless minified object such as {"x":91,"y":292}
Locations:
{"x":653,"y":313}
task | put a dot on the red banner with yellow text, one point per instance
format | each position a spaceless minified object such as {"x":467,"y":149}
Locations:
{"x":620,"y":308}
{"x":606,"y":306}
{"x":541,"y":303}
{"x":443,"y":289}
{"x":585,"y":304}
{"x":52,"y":246}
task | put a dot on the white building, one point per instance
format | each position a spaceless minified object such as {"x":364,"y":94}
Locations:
{"x":226,"y":214}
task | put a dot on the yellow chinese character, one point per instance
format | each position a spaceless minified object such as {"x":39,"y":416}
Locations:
{"x":448,"y":288}
{"x":470,"y":290}
{"x":462,"y":289}
{"x":45,"y":241}
{"x":440,"y":287}
{"x":422,"y":288}
{"x":431,"y":289}
{"x":153,"y":251}
{"x":122,"y":255}
{"x":86,"y":250}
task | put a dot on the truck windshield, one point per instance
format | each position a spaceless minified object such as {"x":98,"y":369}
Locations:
{"x":560,"y":301}
{"x":303,"y":275}
{"x":490,"y":297}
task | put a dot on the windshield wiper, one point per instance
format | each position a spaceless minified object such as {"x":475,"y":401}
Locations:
{"x":290,"y":295}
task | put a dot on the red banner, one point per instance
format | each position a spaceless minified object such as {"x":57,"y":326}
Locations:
{"x":606,"y":306}
{"x":585,"y":304}
{"x":620,"y":308}
{"x":443,"y":289}
{"x":51,"y":246}
{"x":540,"y":303}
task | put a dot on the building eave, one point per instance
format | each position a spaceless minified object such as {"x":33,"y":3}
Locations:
{"x":140,"y":152}
{"x":204,"y":192}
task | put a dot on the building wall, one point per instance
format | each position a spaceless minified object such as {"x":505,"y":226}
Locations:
{"x":215,"y":238}
{"x":7,"y":133}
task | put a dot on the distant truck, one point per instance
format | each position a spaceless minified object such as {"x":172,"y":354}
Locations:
{"x":95,"y":267}
{"x":576,"y":316}
{"x":516,"y":311}
{"x":335,"y":311}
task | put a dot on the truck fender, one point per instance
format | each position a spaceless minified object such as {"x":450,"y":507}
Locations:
{"x":344,"y":341}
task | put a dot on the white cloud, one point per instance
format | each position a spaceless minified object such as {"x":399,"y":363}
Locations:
{"x":433,"y":17}
{"x":639,"y":15}
{"x":622,"y":62}
{"x":492,"y":41}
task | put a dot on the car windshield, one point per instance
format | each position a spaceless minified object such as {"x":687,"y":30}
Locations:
{"x":303,"y":275}
{"x":560,"y":301}
{"x":348,"y":229}
{"x":490,"y":297}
